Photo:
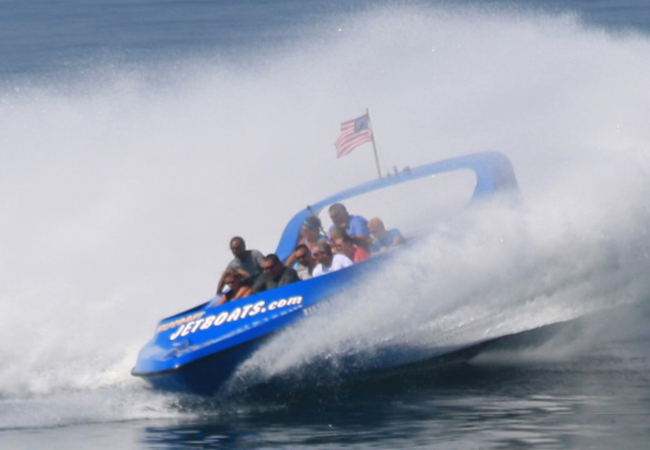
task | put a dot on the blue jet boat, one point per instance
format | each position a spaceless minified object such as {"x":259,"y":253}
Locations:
{"x":199,"y":349}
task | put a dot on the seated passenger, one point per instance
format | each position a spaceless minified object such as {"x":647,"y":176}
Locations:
{"x":328,"y":262}
{"x":305,"y":262}
{"x":355,"y":226}
{"x":274,"y":274}
{"x":310,"y":235}
{"x":336,"y":233}
{"x":311,"y":232}
{"x":248,"y":260}
{"x":346,"y":246}
{"x":383,"y":239}
{"x":233,"y":286}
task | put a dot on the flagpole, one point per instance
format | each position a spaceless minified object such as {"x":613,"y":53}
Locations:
{"x":374,"y":147}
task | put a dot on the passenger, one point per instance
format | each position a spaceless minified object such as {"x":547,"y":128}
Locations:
{"x":328,"y":262}
{"x":233,"y":286}
{"x":248,"y":260}
{"x":275,"y":274}
{"x":346,"y":246}
{"x":311,"y":235}
{"x":305,"y":262}
{"x":311,"y":232}
{"x":336,"y":233}
{"x":384,"y":240}
{"x":355,"y":226}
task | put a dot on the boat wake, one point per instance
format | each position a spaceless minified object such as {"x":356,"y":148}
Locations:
{"x":489,"y":274}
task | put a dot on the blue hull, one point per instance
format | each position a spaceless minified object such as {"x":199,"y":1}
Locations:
{"x":200,"y":349}
{"x":197,"y":351}
{"x":204,"y":376}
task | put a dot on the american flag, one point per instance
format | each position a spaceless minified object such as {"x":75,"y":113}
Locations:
{"x":353,"y":133}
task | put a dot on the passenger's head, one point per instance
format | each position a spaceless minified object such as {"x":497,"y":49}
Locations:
{"x":337,"y":232}
{"x":311,"y":228}
{"x":323,"y":253}
{"x":344,"y":244}
{"x":339,"y":215}
{"x":238,"y":247}
{"x":303,"y":255}
{"x":376,"y":227}
{"x":233,"y":278}
{"x":272,"y":265}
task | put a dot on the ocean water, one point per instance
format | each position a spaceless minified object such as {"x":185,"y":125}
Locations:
{"x":138,"y":136}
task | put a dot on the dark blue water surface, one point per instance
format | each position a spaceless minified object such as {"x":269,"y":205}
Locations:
{"x":589,"y":391}
{"x":44,"y":36}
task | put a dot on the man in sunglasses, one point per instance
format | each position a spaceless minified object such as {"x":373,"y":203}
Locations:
{"x":274,"y":274}
{"x":304,"y":261}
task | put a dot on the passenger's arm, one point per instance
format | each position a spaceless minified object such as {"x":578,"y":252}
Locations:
{"x":362,"y":241}
{"x":259,"y":285}
{"x":291,"y":259}
{"x":243,"y":291}
{"x":221,"y":301}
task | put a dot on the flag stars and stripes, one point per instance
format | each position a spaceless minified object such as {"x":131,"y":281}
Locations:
{"x":354,"y":133}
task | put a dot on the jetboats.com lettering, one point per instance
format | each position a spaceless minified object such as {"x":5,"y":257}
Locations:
{"x":250,"y":310}
{"x":181,"y":321}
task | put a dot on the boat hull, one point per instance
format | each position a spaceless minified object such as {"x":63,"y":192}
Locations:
{"x":198,"y":350}
{"x":205,"y":376}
